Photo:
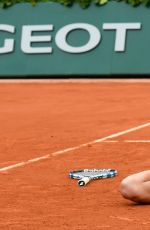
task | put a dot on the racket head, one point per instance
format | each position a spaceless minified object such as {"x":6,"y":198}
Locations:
{"x":93,"y":174}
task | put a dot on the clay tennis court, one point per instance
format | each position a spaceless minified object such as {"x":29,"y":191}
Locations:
{"x":49,"y":128}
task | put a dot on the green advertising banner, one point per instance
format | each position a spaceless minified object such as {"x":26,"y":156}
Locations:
{"x":50,"y":40}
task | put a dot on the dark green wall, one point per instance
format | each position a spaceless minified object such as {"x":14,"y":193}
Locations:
{"x":102,"y":60}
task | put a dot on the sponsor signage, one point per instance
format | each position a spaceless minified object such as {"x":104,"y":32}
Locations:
{"x":51,"y":40}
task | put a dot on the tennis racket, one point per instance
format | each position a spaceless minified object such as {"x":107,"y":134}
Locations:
{"x":85,"y":175}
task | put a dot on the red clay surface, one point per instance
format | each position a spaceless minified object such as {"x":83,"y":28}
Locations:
{"x":38,"y":119}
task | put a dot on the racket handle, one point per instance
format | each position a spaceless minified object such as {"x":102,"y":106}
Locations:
{"x":83,"y":181}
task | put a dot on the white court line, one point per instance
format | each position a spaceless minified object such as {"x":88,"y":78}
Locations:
{"x":60,"y":152}
{"x":128,"y":141}
{"x":137,"y":141}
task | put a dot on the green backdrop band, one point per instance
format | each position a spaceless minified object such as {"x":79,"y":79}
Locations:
{"x":50,"y":40}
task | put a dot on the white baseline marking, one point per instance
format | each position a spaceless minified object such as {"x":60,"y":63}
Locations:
{"x":137,"y":141}
{"x":23,"y":163}
{"x":128,"y":141}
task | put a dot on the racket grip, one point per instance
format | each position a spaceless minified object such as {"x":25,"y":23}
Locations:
{"x":83,"y":181}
